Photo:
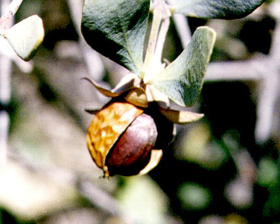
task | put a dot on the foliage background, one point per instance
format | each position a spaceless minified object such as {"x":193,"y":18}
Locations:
{"x":223,"y":169}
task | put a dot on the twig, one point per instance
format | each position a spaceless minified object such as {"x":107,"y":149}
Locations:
{"x":234,"y":71}
{"x":161,"y":39}
{"x":157,"y":18}
{"x":160,"y":25}
{"x":98,"y":197}
{"x":265,"y":71}
{"x":8,"y":13}
{"x":5,"y":79}
{"x":95,"y":195}
{"x":96,"y":70}
{"x":269,"y":92}
{"x":182,"y":27}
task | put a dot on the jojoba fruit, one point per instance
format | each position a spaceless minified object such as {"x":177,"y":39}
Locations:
{"x":106,"y":127}
{"x":127,"y":140}
{"x":128,"y":135}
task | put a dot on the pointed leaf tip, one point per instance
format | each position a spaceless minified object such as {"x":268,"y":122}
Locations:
{"x":182,"y":80}
{"x":26,"y":36}
{"x":219,"y":9}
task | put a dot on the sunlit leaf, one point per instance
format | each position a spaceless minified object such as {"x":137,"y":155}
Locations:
{"x":216,"y":9}
{"x":182,"y":80}
{"x":26,"y":36}
{"x":117,"y":29}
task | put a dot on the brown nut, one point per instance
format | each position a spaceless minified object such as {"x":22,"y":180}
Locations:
{"x":131,"y":153}
{"x":106,"y":127}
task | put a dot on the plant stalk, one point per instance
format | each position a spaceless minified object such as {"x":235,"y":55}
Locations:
{"x":160,"y":25}
{"x":157,"y":18}
{"x":7,"y":11}
{"x":161,"y":39}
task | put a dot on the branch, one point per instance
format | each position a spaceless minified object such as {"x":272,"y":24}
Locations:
{"x":96,"y":70}
{"x":235,"y":70}
{"x":84,"y":184}
{"x":8,"y":13}
{"x":265,"y":71}
{"x":156,"y":22}
{"x":5,"y":79}
{"x":182,"y":28}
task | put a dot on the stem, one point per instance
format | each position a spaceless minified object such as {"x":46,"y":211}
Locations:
{"x":7,"y":10}
{"x":96,"y":70}
{"x":182,"y":26}
{"x":156,"y":65}
{"x":8,"y":13}
{"x":161,"y":39}
{"x":157,"y":18}
{"x":160,"y":25}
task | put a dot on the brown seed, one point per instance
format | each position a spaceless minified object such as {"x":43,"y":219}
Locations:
{"x":131,"y":152}
{"x":106,"y":128}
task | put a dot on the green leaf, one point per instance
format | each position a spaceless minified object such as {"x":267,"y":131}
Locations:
{"x":143,"y":200}
{"x":26,"y":36}
{"x":182,"y":80}
{"x":194,"y":196}
{"x":117,"y":29}
{"x":207,"y":9}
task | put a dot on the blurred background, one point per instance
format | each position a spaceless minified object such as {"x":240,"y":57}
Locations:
{"x":223,"y":169}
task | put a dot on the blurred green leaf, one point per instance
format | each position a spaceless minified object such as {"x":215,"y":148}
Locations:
{"x":26,"y":36}
{"x":199,"y":147}
{"x":267,"y":173}
{"x":194,"y":196}
{"x":182,"y":80}
{"x":117,"y":29}
{"x":272,"y":205}
{"x":216,"y":9}
{"x":143,"y":200}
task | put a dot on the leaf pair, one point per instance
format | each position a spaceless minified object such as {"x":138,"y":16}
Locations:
{"x":117,"y":29}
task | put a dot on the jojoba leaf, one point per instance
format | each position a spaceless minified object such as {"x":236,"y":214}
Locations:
{"x":216,"y":9}
{"x":182,"y":80}
{"x":26,"y":36}
{"x":117,"y":29}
